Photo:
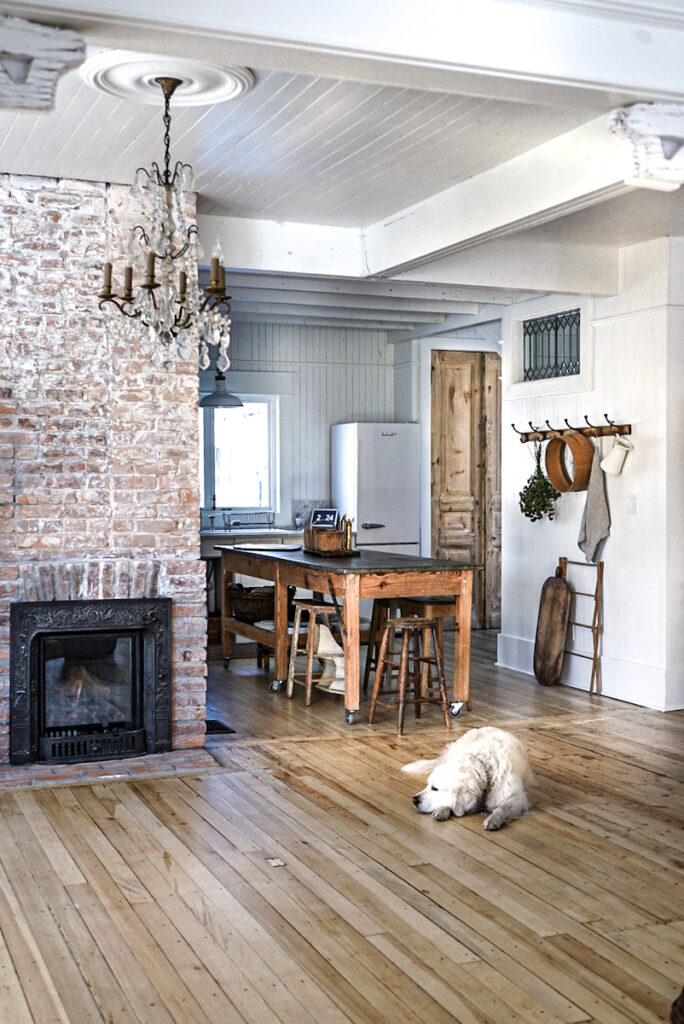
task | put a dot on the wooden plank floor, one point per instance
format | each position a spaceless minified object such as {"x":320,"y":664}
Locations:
{"x":299,"y":885}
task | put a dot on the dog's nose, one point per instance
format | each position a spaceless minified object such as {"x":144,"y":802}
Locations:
{"x":416,"y":799}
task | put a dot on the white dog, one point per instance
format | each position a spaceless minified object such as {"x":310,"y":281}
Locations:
{"x":485,"y":770}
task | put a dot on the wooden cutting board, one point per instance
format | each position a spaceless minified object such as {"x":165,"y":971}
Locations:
{"x":552,"y":629}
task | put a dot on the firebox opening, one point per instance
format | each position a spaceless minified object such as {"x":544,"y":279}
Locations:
{"x":90,"y":680}
{"x":91,"y":691}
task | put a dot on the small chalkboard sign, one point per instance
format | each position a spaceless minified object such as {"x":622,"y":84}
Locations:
{"x":324,"y":518}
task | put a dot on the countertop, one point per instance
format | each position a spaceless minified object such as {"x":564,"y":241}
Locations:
{"x":210,"y":538}
{"x":254,"y":531}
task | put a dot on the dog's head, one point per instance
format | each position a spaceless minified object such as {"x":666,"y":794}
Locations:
{"x":454,"y":786}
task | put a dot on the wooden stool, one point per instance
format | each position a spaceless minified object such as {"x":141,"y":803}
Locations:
{"x":311,"y":609}
{"x":416,"y":633}
{"x":439,"y":608}
{"x":383,"y":608}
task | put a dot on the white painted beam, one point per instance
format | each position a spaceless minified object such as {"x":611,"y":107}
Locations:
{"x":571,"y":172}
{"x":242,"y":297}
{"x":316,"y":321}
{"x":550,"y":52}
{"x":476,"y":326}
{"x":516,"y":263}
{"x":420,"y":291}
{"x":332,"y":312}
{"x":283,"y":247}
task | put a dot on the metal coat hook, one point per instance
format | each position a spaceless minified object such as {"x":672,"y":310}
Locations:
{"x":591,"y":430}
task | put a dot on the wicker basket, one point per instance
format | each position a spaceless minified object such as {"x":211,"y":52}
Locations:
{"x":250,"y":604}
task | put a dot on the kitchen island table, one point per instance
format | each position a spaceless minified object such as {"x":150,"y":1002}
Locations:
{"x":367,"y":574}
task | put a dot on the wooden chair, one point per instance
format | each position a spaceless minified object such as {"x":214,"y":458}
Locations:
{"x":417,"y":654}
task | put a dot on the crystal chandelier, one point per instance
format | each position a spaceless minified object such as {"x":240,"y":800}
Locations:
{"x":168,"y":308}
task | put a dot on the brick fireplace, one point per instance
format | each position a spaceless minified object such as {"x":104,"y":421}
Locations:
{"x":98,"y":462}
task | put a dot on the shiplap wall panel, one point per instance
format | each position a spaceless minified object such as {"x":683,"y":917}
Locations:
{"x":340,"y":375}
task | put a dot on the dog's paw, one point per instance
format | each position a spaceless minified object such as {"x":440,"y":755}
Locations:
{"x":442,"y":813}
{"x":492,"y":823}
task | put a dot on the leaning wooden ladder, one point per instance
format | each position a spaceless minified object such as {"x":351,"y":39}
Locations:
{"x":596,"y":624}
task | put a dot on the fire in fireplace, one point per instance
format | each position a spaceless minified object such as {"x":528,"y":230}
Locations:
{"x":89,"y":680}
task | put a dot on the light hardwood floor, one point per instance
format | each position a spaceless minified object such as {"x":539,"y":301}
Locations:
{"x":298,"y":884}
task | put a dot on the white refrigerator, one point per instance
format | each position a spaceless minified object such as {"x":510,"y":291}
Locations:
{"x":376,"y":483}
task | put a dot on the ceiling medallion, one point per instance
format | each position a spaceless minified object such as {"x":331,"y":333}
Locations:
{"x":133,"y":76}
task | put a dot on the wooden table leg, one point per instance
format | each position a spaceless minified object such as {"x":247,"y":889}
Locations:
{"x":227,"y":639}
{"x":464,"y":602}
{"x":352,"y":659}
{"x":280,"y":631}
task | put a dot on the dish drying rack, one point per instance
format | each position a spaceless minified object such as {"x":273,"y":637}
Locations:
{"x":233,"y":520}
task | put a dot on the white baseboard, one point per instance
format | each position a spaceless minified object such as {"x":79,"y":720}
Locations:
{"x":516,"y":653}
{"x":647,"y":686}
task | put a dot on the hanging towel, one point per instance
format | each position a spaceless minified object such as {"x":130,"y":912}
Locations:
{"x":596,"y":518}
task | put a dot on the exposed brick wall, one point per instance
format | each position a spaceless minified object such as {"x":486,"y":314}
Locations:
{"x":98,"y":465}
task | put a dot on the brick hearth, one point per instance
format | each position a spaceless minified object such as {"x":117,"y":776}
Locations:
{"x":98,"y":462}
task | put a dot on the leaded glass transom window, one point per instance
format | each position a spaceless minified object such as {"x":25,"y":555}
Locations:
{"x":551,"y":345}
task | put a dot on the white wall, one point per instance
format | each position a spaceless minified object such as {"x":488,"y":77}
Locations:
{"x":675,"y":476}
{"x":338,"y":375}
{"x":633,"y":337}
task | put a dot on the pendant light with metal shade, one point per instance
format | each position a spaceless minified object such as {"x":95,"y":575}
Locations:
{"x":220,"y":396}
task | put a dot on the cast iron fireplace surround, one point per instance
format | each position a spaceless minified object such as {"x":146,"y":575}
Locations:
{"x":88,"y":633}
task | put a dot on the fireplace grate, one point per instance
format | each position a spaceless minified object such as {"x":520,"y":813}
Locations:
{"x":90,"y":743}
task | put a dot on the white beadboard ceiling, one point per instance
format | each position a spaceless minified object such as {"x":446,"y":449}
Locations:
{"x":296,"y":148}
{"x":357,"y":130}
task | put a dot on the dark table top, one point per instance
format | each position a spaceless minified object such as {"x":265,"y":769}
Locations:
{"x":365,"y":562}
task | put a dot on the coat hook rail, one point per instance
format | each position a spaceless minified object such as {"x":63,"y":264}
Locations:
{"x":610,"y":428}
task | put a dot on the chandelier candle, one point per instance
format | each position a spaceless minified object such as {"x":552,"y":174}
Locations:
{"x":171,"y":316}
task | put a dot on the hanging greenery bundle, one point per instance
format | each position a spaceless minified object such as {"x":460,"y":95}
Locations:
{"x":538,"y":497}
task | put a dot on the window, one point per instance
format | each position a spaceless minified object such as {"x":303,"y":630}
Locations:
{"x":551,"y":346}
{"x":239,"y":467}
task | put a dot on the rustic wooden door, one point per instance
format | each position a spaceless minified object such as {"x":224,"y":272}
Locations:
{"x":466,"y":472}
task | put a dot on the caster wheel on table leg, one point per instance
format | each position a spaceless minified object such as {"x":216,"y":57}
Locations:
{"x":226,"y":662}
{"x":456,"y":708}
{"x":349,"y":717}
{"x":277,"y":685}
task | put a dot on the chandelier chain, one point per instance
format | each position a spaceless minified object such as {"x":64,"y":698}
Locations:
{"x":167,"y":138}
